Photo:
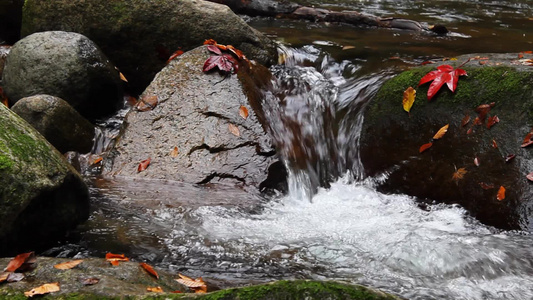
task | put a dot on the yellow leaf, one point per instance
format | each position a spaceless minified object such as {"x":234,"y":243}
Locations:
{"x":155,"y":289}
{"x":459,"y":174}
{"x":441,"y":132}
{"x":68,"y":265}
{"x":122,"y":77}
{"x":43,"y":289}
{"x":408,"y":98}
{"x":174,"y":152}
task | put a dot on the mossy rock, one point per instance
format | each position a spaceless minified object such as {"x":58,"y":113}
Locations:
{"x":391,"y":138}
{"x":139,"y":36}
{"x":41,"y":195}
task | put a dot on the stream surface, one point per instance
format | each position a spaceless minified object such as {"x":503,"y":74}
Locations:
{"x":332,"y":224}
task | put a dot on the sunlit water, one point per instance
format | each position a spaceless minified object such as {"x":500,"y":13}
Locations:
{"x":332,"y":224}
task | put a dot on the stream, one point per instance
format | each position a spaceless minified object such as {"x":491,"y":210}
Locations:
{"x":332,"y":224}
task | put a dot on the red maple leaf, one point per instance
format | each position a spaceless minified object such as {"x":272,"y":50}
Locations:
{"x":224,"y":63}
{"x":444,"y":74}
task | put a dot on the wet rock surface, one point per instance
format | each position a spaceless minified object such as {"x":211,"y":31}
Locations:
{"x":4,"y":51}
{"x":66,"y":65}
{"x":41,"y":196}
{"x":139,"y":36}
{"x":391,"y":140}
{"x":57,"y":121}
{"x":195,"y":133}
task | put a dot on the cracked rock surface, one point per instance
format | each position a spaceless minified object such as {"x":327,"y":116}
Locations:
{"x":197,"y":113}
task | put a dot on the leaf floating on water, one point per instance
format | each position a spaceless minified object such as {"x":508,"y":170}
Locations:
{"x":43,"y":289}
{"x":174,"y":152}
{"x":19,"y":261}
{"x":149,"y":269}
{"x":465,"y":120}
{"x":494,"y":144}
{"x":143,"y":165}
{"x":509,"y":157}
{"x":459,"y":174}
{"x":155,"y":289}
{"x":115,"y":259}
{"x":530,"y":176}
{"x":476,"y":161}
{"x":89,"y":281}
{"x":441,"y":132}
{"x":198,"y":284}
{"x":243,"y":112}
{"x":68,"y":265}
{"x":234,"y":129}
{"x":425,"y":147}
{"x":492,"y":120}
{"x":408,"y":99}
{"x":501,"y":193}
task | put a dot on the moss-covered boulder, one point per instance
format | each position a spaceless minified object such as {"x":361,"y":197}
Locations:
{"x":391,"y":138}
{"x":41,"y":196}
{"x":139,"y":36}
{"x":129,"y":281}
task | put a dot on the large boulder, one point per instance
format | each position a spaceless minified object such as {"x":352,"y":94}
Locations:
{"x":57,"y":121}
{"x":66,"y":65}
{"x":41,"y":196}
{"x":139,"y":36}
{"x":196,"y":132}
{"x":391,"y":138}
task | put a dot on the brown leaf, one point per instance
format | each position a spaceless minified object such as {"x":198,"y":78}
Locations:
{"x":210,"y":42}
{"x":155,"y":289}
{"x":483,"y":110}
{"x":459,"y":174}
{"x":501,"y":193}
{"x":174,"y":152}
{"x":115,"y":259}
{"x":528,"y":140}
{"x":198,"y":285}
{"x":494,"y":144}
{"x":18,"y":261}
{"x":465,"y":120}
{"x":469,"y":131}
{"x":492,"y":120}
{"x":530,"y":176}
{"x":143,"y":165}
{"x":3,"y":276}
{"x":238,"y":53}
{"x":477,"y":121}
{"x":89,"y":281}
{"x":149,"y":269}
{"x":441,"y":132}
{"x":122,"y":77}
{"x":476,"y":161}
{"x":243,"y":112}
{"x":43,"y":289}
{"x":15,"y":277}
{"x":486,"y":186}
{"x":509,"y":157}
{"x":147,"y":103}
{"x":425,"y":147}
{"x":409,"y":96}
{"x":234,"y":129}
{"x":174,"y":55}
{"x":69,"y":264}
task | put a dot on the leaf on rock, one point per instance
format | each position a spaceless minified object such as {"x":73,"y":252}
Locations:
{"x":234,"y":129}
{"x":441,"y":132}
{"x":146,"y":103}
{"x":465,"y":120}
{"x":443,"y":74}
{"x":149,"y":269}
{"x":509,"y":157}
{"x":198,"y":284}
{"x":486,"y":186}
{"x":69,"y":264}
{"x":174,"y":152}
{"x":243,"y":112}
{"x":214,"y":49}
{"x":144,"y":164}
{"x":425,"y":147}
{"x":210,"y":42}
{"x":3,"y":276}
{"x":492,"y":120}
{"x":174,"y":55}
{"x":408,"y":98}
{"x":469,"y":131}
{"x":459,"y":174}
{"x":115,"y":259}
{"x":501,"y":193}
{"x":530,"y":176}
{"x":528,"y":140}
{"x":15,"y":277}
{"x":483,"y":110}
{"x":477,"y":121}
{"x":89,"y":281}
{"x":476,"y":161}
{"x":224,"y":63}
{"x":238,"y":53}
{"x":43,"y":289}
{"x":494,"y":144}
{"x":157,"y":289}
{"x":19,"y":261}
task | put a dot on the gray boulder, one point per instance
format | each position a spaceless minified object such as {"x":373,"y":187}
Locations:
{"x":391,"y":139}
{"x":66,"y":65}
{"x":41,"y":196}
{"x":139,"y":36}
{"x":57,"y":121}
{"x":198,"y":113}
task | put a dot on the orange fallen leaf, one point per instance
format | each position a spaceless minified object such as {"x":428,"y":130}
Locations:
{"x":408,"y":100}
{"x":43,"y":289}
{"x":174,"y":55}
{"x":155,"y":289}
{"x":425,"y":147}
{"x":441,"y":132}
{"x":143,"y":165}
{"x":234,"y":129}
{"x":459,"y":174}
{"x":97,"y":160}
{"x":3,"y":276}
{"x":530,"y":176}
{"x":147,"y":103}
{"x":69,"y":264}
{"x":469,"y":131}
{"x":238,"y":53}
{"x":528,"y":140}
{"x":3,"y":97}
{"x":477,"y":121}
{"x":198,"y":284}
{"x":210,"y":42}
{"x":115,"y":259}
{"x":492,"y":120}
{"x":494,"y":144}
{"x":465,"y":120}
{"x":509,"y":157}
{"x":19,"y":260}
{"x":243,"y":112}
{"x":122,"y":77}
{"x":174,"y":152}
{"x":501,"y":193}
{"x":149,"y":269}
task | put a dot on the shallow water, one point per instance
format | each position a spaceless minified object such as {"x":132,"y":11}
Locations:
{"x":345,"y":229}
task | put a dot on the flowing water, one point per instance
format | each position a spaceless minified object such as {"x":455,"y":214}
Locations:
{"x":332,"y":224}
